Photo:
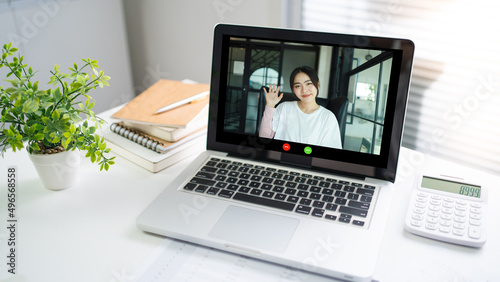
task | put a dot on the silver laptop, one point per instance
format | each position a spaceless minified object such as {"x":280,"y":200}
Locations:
{"x":310,"y":206}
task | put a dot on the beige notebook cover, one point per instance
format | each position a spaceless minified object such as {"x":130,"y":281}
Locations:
{"x":165,"y":92}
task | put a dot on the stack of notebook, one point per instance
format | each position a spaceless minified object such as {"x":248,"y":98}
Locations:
{"x":162,"y":125}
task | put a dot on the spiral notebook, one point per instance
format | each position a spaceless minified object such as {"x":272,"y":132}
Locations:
{"x":141,"y":138}
{"x":148,"y":158}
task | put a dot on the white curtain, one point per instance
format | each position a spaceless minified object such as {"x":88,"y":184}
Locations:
{"x":454,"y":103}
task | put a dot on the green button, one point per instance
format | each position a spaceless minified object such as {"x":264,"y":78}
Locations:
{"x":307,"y":150}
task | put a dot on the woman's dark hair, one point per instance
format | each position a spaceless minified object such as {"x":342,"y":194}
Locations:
{"x":307,"y":70}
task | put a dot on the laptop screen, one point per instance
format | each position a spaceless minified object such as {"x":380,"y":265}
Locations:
{"x":360,"y":84}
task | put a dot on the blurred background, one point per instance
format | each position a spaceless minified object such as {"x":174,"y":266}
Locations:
{"x":455,"y":91}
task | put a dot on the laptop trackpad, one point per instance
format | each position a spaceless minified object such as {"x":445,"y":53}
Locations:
{"x":255,"y":229}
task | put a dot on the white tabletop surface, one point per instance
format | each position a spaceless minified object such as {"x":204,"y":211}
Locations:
{"x":88,"y":232}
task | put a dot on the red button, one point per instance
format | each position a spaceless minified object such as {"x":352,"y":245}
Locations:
{"x":286,"y":146}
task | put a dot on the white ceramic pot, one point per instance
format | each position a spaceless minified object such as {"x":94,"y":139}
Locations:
{"x":57,"y":171}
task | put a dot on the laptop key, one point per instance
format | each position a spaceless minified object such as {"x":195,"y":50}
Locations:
{"x":318,"y":212}
{"x":244,"y":189}
{"x":263,"y":201}
{"x":365,"y":192}
{"x":225,"y":193}
{"x":189,"y":186}
{"x":256,"y":192}
{"x":266,"y":187}
{"x":202,"y":181}
{"x":358,"y":222}
{"x":213,"y":191}
{"x":340,"y":201}
{"x":201,"y":189}
{"x":352,"y":196}
{"x":315,"y":196}
{"x":303,"y":194}
{"x":232,"y":187}
{"x":232,"y":180}
{"x":205,"y":175}
{"x":318,"y":204}
{"x":280,"y":196}
{"x":358,"y":205}
{"x":331,"y":207}
{"x":327,"y":199}
{"x":303,"y":209}
{"x":353,"y":211}
{"x":344,"y":219}
{"x":331,"y":217}
{"x":221,"y":185}
{"x":208,"y":169}
{"x":365,"y":199}
{"x":268,"y":194}
{"x":305,"y":201}
{"x":349,"y":188}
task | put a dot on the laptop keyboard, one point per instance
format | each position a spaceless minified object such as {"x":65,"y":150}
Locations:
{"x":315,"y":195}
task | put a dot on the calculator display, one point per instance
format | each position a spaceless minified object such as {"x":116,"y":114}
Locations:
{"x":451,"y":187}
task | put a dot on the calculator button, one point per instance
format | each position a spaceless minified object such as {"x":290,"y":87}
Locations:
{"x":458,"y":232}
{"x":447,"y":210}
{"x":461,"y":202}
{"x":459,"y":213}
{"x":475,"y":222}
{"x":435,"y":202}
{"x":421,"y":200}
{"x":436,"y":197}
{"x":433,"y":213}
{"x":417,"y":217}
{"x":430,"y":226}
{"x":421,"y":194}
{"x":475,"y":205}
{"x":474,"y":232}
{"x":461,"y":207}
{"x":458,"y":225}
{"x":445,"y":222}
{"x":475,"y":216}
{"x":420,"y":205}
{"x":446,"y":216}
{"x":448,"y":205}
{"x":475,"y":210}
{"x":432,"y":220}
{"x":434,"y":208}
{"x":448,"y":199}
{"x":418,"y":210}
{"x":444,"y":229}
{"x":416,"y":223}
{"x":459,"y":219}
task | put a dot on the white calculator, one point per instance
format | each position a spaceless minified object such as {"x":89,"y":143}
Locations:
{"x":448,"y":209}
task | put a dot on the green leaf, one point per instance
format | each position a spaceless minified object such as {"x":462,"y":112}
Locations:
{"x":35,"y":146}
{"x":18,"y":103}
{"x":38,"y":136}
{"x":56,"y":115}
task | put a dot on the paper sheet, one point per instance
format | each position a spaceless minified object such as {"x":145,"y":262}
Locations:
{"x":180,"y":261}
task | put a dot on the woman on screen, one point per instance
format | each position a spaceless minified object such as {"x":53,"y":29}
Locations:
{"x":302,"y":121}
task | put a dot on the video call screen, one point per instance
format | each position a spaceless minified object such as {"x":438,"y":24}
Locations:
{"x":359,"y":75}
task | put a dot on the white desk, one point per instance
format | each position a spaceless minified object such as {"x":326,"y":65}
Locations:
{"x":88,"y":232}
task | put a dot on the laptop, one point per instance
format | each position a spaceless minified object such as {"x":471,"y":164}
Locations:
{"x":312,"y":207}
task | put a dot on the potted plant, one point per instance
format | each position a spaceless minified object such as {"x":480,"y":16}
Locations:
{"x":52,"y":124}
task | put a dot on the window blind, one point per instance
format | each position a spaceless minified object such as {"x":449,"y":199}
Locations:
{"x":454,"y":101}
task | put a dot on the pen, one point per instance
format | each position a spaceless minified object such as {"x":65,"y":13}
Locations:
{"x":192,"y":99}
